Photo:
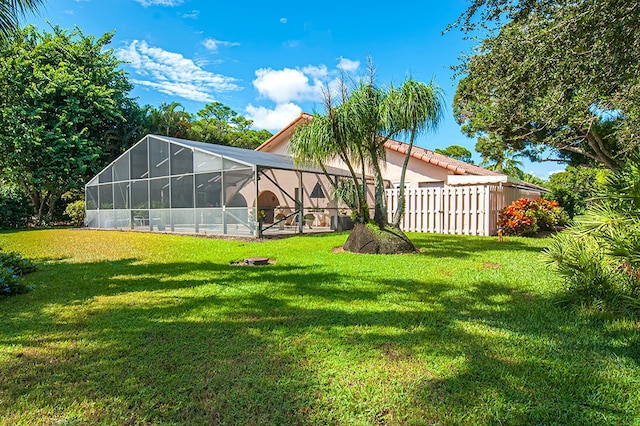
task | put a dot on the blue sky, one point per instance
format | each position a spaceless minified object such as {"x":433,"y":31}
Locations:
{"x":269,"y":60}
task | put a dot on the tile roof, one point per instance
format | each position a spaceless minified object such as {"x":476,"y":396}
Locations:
{"x":421,"y":154}
{"x":428,"y":156}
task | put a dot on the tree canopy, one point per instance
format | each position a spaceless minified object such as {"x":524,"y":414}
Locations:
{"x":214,"y":123}
{"x":354,"y":129}
{"x":457,"y":152}
{"x":560,"y":80}
{"x":65,"y":99}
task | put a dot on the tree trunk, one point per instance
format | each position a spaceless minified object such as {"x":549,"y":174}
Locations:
{"x":380,"y":211}
{"x":397,"y":217}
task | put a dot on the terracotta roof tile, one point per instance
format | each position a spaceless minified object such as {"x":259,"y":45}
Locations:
{"x":421,"y":154}
{"x":428,"y":156}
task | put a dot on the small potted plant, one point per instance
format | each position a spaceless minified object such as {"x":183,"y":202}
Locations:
{"x":308,"y":219}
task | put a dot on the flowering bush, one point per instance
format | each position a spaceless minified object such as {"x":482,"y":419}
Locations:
{"x":10,"y":283}
{"x":12,"y":268}
{"x":526,"y":217}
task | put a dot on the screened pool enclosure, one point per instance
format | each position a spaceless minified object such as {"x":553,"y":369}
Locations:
{"x":176,"y":185}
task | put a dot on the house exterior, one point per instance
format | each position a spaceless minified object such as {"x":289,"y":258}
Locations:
{"x":444,"y":195}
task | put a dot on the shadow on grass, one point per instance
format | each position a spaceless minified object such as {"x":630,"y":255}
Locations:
{"x":207,"y":343}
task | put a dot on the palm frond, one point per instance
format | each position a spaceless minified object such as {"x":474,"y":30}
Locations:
{"x":10,"y":13}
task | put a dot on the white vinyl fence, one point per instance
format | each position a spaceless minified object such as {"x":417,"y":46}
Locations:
{"x":469,"y":210}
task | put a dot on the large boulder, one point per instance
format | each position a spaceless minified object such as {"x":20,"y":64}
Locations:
{"x":368,"y":238}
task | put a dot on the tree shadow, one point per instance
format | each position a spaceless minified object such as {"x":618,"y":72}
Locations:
{"x":222,"y":344}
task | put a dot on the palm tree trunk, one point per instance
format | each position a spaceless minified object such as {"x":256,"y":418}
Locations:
{"x":380,"y":211}
{"x":397,"y":217}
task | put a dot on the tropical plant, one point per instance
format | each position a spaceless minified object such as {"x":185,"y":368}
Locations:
{"x":10,"y":13}
{"x":599,"y":256}
{"x":354,"y":130}
{"x":456,"y":152}
{"x":574,"y":186}
{"x":168,"y":120}
{"x":218,"y":123}
{"x":526,"y":217}
{"x":411,"y":109}
{"x":496,"y":157}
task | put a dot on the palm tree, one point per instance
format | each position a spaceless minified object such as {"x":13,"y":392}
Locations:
{"x":495,"y":157}
{"x":355,"y":130}
{"x":10,"y":13}
{"x":600,"y":254}
{"x":332,"y":136}
{"x":168,"y":120}
{"x":412,"y":108}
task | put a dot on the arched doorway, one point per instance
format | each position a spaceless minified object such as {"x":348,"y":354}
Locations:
{"x":267,"y":202}
{"x":237,"y":215}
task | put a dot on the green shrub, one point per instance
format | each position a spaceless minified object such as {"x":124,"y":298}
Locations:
{"x":591,"y":275}
{"x":570,"y":202}
{"x":12,"y":268}
{"x":599,"y":256}
{"x":15,"y":209}
{"x":76,"y":212}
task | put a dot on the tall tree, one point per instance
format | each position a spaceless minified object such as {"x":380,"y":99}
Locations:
{"x":168,"y":120}
{"x":333,"y":136}
{"x":496,"y":157}
{"x":218,"y":123}
{"x":10,"y":13}
{"x":354,"y":130}
{"x":456,"y":152}
{"x":411,"y":109}
{"x":559,"y":80}
{"x":64,"y":96}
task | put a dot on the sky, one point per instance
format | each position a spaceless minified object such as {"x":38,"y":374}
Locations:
{"x":269,"y":61}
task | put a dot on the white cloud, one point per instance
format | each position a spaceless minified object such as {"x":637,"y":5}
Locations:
{"x":286,"y":85}
{"x":213,"y":44}
{"x":182,"y":90}
{"x":347,"y":65}
{"x":319,"y":72}
{"x":171,"y":3}
{"x":193,"y":15}
{"x":173,"y":74}
{"x":273,"y":119}
{"x":553,"y":172}
{"x":292,"y":43}
{"x":283,"y":20}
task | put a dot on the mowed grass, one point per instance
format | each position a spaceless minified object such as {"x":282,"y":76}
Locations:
{"x":139,"y":328}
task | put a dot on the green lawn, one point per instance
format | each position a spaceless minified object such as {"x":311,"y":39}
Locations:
{"x":138,"y":328}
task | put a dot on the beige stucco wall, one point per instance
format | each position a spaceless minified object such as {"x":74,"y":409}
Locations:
{"x":418,"y":171}
{"x":281,"y":148}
